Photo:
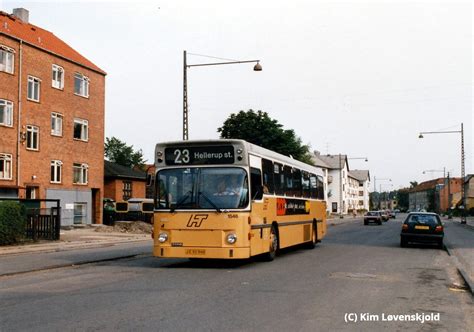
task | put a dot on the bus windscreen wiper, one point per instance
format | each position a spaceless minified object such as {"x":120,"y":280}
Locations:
{"x":181,"y":201}
{"x":209,"y":201}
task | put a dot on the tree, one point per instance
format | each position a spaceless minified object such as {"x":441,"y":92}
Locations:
{"x":413,"y":184}
{"x":258,"y":128}
{"x":119,"y":152}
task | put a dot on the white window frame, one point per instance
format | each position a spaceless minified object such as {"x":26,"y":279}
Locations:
{"x":83,"y":85}
{"x":57,"y":124}
{"x":84,"y":129}
{"x":57,"y":171}
{"x":33,"y":131}
{"x":83,"y":170}
{"x":33,"y":88}
{"x":8,"y":63}
{"x":7,"y":119}
{"x":7,"y":161}
{"x":57,"y":78}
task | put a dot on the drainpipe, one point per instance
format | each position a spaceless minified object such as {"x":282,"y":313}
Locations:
{"x":18,"y":145}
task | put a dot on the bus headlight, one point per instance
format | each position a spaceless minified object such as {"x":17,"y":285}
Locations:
{"x":231,"y":238}
{"x":162,"y":237}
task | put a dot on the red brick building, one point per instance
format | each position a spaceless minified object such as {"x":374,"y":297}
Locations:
{"x":51,"y":120}
{"x":122,"y":183}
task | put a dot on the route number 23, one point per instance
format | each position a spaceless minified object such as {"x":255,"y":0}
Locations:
{"x":182,"y":156}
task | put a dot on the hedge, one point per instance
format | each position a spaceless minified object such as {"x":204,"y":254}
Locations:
{"x":12,"y":222}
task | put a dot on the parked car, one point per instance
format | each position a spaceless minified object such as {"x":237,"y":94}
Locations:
{"x":385,"y":215}
{"x":422,"y":227}
{"x":373,"y":216}
{"x":392,"y":214}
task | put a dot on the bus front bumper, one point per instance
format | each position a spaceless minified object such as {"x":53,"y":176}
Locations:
{"x":201,"y":252}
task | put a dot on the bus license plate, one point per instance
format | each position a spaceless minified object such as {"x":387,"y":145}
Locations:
{"x":195,"y":252}
{"x":422,"y":227}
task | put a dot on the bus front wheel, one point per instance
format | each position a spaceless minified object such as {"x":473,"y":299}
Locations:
{"x":270,"y":255}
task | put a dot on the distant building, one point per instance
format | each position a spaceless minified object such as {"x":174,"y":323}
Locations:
{"x":51,"y":120}
{"x":469,"y":190}
{"x":361,"y":189}
{"x":438,"y":195}
{"x":122,"y":183}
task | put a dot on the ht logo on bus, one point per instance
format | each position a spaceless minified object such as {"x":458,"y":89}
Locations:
{"x":196,"y":220}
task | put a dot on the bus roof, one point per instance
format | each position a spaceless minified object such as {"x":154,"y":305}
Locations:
{"x":252,"y":149}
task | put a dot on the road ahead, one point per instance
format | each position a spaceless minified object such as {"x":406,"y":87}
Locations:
{"x":356,"y":269}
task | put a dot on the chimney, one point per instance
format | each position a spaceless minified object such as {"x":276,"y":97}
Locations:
{"x":22,"y":13}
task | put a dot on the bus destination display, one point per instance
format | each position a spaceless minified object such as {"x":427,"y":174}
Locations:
{"x":200,"y":155}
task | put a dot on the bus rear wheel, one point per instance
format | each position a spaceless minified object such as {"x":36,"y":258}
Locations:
{"x":270,"y":255}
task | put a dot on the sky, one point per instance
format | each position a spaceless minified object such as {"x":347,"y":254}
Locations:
{"x":361,"y":78}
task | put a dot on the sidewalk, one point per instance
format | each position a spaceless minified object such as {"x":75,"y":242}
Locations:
{"x":77,"y":238}
{"x":459,"y":242}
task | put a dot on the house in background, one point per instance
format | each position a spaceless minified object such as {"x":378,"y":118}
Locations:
{"x":51,"y":120}
{"x":336,"y":170}
{"x":362,"y":185}
{"x":122,"y":183}
{"x":438,"y":195}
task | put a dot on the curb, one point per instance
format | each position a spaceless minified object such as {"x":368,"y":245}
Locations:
{"x":59,"y":266}
{"x":69,"y":247}
{"x":464,"y":275}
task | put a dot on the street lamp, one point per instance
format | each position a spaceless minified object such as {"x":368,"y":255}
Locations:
{"x":435,"y":171}
{"x":375,"y":186}
{"x":364,"y":158}
{"x":463,"y":192}
{"x":257,"y":67}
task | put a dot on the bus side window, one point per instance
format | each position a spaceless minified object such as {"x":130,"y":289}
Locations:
{"x":268,"y":184}
{"x":279,"y":179}
{"x":256,"y":190}
{"x":305,"y":185}
{"x":313,"y":183}
{"x":320,"y":187}
{"x":297,"y":182}
{"x":288,"y":181}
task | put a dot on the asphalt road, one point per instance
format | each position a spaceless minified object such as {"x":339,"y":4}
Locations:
{"x":356,"y":269}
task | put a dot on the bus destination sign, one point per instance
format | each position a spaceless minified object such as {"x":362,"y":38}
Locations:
{"x":200,"y":155}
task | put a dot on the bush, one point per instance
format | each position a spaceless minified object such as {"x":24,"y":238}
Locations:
{"x":12,"y":222}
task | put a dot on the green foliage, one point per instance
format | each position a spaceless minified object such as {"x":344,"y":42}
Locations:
{"x":12,"y":222}
{"x":413,"y":184}
{"x":402,"y":196}
{"x":258,"y":128}
{"x":119,"y":152}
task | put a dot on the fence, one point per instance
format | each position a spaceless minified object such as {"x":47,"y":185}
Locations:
{"x":41,"y":223}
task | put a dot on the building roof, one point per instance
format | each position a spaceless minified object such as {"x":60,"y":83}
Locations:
{"x":331,"y":161}
{"x":12,"y":26}
{"x":360,"y":174}
{"x":114,"y":170}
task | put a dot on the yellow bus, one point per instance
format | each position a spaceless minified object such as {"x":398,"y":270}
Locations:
{"x":230,"y":199}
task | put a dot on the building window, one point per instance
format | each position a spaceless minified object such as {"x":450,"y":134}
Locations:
{"x":56,"y":124}
{"x":81,"y":129}
{"x":81,"y":85}
{"x":80,"y":173}
{"x":6,"y":113}
{"x":58,"y":77}
{"x":32,"y":137}
{"x":80,"y":213}
{"x":7,"y":59}
{"x":361,"y":193}
{"x":56,"y":170}
{"x":127,"y":190}
{"x":33,"y":88}
{"x":5,"y":166}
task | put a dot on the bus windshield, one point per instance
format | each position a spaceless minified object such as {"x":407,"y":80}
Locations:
{"x":202,"y":188}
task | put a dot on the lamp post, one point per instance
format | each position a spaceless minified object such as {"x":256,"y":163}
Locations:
{"x":257,"y":67}
{"x":375,"y":186}
{"x":463,"y":192}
